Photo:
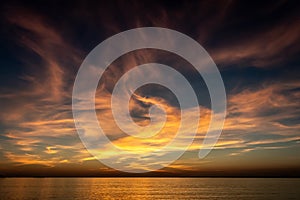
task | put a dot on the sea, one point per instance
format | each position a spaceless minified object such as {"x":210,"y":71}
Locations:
{"x":150,"y":188}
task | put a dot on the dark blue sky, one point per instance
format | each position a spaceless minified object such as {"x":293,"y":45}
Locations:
{"x":256,"y":46}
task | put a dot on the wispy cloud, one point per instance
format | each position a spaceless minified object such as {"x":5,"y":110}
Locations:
{"x":268,"y":48}
{"x":37,"y":117}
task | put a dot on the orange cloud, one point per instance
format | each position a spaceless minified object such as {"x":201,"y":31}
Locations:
{"x":263,"y":49}
{"x":42,"y":124}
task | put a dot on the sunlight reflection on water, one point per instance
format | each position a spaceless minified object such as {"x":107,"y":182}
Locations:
{"x":149,"y":188}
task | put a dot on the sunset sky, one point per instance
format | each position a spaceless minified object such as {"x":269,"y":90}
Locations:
{"x":256,"y":47}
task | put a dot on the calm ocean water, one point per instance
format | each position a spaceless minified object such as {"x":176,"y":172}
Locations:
{"x":149,"y":188}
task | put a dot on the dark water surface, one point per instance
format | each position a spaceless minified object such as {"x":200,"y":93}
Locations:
{"x":149,"y":188}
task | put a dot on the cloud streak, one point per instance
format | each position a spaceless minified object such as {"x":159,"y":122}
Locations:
{"x":36,"y":120}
